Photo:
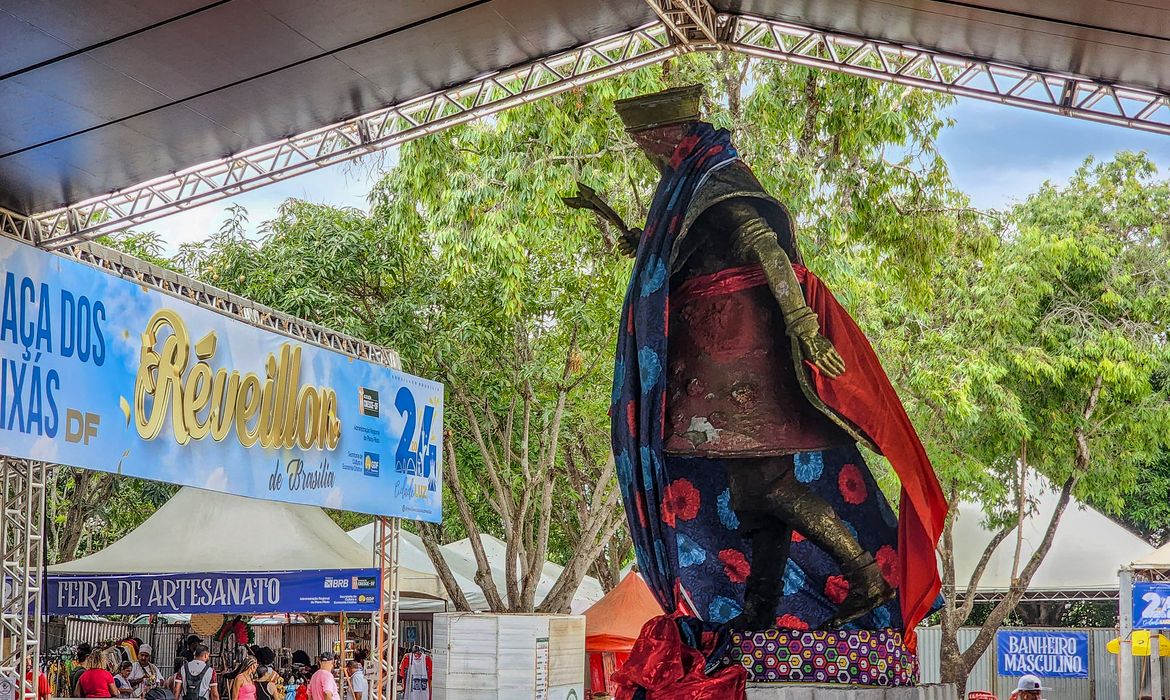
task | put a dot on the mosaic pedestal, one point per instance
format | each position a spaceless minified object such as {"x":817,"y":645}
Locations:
{"x":795,"y":691}
{"x":834,"y":657}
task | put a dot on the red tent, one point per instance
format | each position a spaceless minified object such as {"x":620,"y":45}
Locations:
{"x":613,"y":623}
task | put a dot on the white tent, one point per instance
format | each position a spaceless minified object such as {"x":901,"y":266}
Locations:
{"x":461,"y":560}
{"x":1088,"y":550}
{"x":413,"y":555}
{"x":198,"y":531}
{"x":1155,"y":560}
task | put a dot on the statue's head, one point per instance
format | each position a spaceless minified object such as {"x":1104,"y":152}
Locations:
{"x":658,"y":121}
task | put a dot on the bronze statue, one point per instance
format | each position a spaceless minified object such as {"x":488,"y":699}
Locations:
{"x":741,"y":388}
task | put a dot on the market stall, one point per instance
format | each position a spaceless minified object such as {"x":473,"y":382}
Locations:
{"x":222,"y":558}
{"x":611,"y":626}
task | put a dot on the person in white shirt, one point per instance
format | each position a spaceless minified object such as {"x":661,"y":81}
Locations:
{"x":358,"y":688}
{"x":144,"y":675}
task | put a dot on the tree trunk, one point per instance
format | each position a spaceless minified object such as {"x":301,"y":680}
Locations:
{"x":426,"y":532}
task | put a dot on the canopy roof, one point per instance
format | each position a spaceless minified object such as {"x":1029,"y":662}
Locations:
{"x":1087,"y":552}
{"x":1157,"y":560}
{"x":615,"y":621}
{"x":100,"y":96}
{"x":199,"y":531}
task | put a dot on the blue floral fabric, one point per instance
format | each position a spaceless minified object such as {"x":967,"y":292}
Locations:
{"x":685,"y":532}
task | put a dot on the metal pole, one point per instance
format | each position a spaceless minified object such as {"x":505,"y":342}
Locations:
{"x":22,"y":503}
{"x":1155,"y":665}
{"x":1125,"y":636}
{"x":384,"y":626}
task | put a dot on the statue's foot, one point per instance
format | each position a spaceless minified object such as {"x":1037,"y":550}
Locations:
{"x":867,"y":590}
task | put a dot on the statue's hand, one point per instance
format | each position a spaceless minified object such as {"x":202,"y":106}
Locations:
{"x":627,"y":243}
{"x":817,"y":349}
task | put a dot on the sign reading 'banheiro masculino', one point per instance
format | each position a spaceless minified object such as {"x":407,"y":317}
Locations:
{"x":102,"y":373}
{"x":1043,"y":653}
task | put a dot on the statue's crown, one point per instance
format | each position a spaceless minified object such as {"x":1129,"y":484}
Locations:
{"x":671,"y":106}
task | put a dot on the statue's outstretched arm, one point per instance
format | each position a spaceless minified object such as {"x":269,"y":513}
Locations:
{"x":586,"y":198}
{"x":754,"y":238}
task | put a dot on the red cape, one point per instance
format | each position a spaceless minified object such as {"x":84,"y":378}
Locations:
{"x":864,"y":396}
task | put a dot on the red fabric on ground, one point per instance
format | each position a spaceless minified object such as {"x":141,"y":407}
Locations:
{"x":671,"y":670}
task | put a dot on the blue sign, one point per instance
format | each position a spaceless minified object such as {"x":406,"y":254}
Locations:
{"x":319,"y":591}
{"x":102,"y":373}
{"x":1042,"y":653}
{"x":1151,"y":605}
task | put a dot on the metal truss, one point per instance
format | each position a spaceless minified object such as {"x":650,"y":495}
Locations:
{"x":384,"y":626}
{"x":931,"y":70}
{"x":684,"y":25}
{"x":358,"y":136}
{"x":1085,"y":596}
{"x":22,"y":508}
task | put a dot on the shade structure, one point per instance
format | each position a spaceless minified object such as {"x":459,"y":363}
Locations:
{"x":1159,"y":559}
{"x":199,"y":531}
{"x":614,"y":622}
{"x":104,"y":95}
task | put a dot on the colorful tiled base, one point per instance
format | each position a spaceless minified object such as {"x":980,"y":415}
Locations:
{"x":859,"y":657}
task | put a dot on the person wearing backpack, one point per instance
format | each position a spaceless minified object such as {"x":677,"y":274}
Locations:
{"x":196,"y":679}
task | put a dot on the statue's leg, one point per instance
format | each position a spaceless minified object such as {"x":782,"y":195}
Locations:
{"x":770,"y":540}
{"x":814,"y":518}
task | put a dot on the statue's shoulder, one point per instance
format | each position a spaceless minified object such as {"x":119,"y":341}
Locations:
{"x":734,"y":180}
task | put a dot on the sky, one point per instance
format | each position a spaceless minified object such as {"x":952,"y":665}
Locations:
{"x":996,"y":154}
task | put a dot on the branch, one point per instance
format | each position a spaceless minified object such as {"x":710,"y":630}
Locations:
{"x":426,"y":532}
{"x":483,"y":570}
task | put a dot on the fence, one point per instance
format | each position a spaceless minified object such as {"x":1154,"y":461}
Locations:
{"x":1100,"y":685}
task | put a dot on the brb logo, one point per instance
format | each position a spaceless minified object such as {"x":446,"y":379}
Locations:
{"x":331,"y":582}
{"x":416,"y":455}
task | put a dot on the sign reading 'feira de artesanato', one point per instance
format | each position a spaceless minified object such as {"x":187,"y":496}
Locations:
{"x":102,"y":373}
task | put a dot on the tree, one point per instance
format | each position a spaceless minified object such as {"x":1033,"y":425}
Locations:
{"x":1044,"y":353}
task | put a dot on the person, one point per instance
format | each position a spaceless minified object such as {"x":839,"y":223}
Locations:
{"x":358,"y":688}
{"x":144,"y":675}
{"x":187,"y":649}
{"x":122,"y":679}
{"x":197,"y":679}
{"x":80,"y":663}
{"x":244,"y":684}
{"x":415,"y":673}
{"x":1028,"y":688}
{"x":43,"y":690}
{"x":269,"y":684}
{"x":96,"y":682}
{"x":323,"y":686}
{"x":742,"y":431}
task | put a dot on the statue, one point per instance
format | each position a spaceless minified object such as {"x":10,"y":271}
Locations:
{"x":741,"y":391}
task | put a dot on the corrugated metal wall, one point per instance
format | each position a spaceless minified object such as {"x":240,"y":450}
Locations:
{"x":1100,"y":685}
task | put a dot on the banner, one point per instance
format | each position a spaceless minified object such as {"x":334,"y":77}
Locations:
{"x":239,"y":593}
{"x":1151,"y":605}
{"x":1042,"y":653}
{"x":102,"y":373}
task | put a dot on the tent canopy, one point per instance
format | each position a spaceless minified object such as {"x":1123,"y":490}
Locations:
{"x":461,"y":560}
{"x":1087,"y":552}
{"x":615,"y":621}
{"x":1159,"y":559}
{"x":198,"y":531}
{"x":99,"y":96}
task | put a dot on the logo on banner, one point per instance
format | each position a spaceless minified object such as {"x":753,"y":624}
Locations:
{"x":1151,"y":605}
{"x":274,"y":411}
{"x":365,"y":582}
{"x":1044,"y":654}
{"x":369,"y":403}
{"x":371,"y":465}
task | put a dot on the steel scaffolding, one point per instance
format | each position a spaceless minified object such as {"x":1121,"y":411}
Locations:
{"x":684,"y":25}
{"x":22,"y":512}
{"x":384,"y":630}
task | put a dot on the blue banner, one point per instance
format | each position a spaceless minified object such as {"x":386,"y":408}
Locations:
{"x":1151,"y":605}
{"x":1042,"y":653}
{"x":240,"y":593}
{"x":102,"y":373}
